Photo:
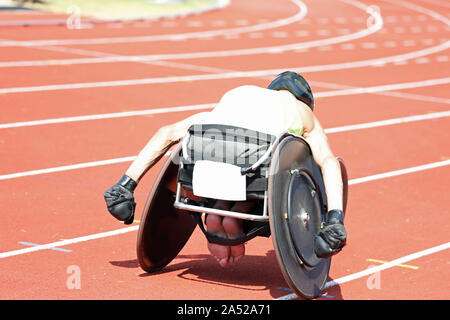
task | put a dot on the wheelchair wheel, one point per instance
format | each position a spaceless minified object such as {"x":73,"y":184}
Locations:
{"x":296,"y":211}
{"x":164,"y":230}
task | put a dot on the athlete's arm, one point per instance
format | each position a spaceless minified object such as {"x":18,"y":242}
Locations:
{"x":159,"y":144}
{"x":120,"y":198}
{"x":331,"y":170}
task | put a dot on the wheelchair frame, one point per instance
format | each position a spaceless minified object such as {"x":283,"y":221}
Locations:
{"x":182,"y":204}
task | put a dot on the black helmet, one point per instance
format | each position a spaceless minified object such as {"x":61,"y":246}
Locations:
{"x":295,"y":84}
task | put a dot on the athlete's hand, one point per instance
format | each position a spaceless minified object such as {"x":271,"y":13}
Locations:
{"x":120,"y":200}
{"x":332,"y":237}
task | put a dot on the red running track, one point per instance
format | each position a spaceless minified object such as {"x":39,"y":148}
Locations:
{"x":64,"y":94}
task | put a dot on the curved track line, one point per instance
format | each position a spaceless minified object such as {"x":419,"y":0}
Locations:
{"x":421,"y":9}
{"x":443,"y":3}
{"x":89,"y":21}
{"x":134,"y":228}
{"x":256,"y":73}
{"x":230,"y":75}
{"x":376,"y":26}
{"x":181,"y":36}
{"x":131,"y":158}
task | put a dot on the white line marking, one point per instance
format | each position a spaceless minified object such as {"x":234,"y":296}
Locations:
{"x":422,"y":10}
{"x":388,"y":87}
{"x":183,"y":36}
{"x":350,"y":91}
{"x":347,"y":46}
{"x":399,"y":30}
{"x":439,"y":3}
{"x":396,"y":94}
{"x":302,"y":33}
{"x":356,"y":64}
{"x":108,"y":116}
{"x":390,"y":44}
{"x":67,"y":168}
{"x":328,"y":131}
{"x":382,"y":267}
{"x":399,"y":172}
{"x":389,"y":122}
{"x":68,"y":242}
{"x":428,"y":42}
{"x":377,"y":25}
{"x":343,"y":31}
{"x":230,"y":75}
{"x":422,"y":60}
{"x":368,"y":45}
{"x":190,"y":55}
{"x":409,"y":43}
{"x":385,"y":93}
{"x":400,"y":63}
{"x":332,"y":283}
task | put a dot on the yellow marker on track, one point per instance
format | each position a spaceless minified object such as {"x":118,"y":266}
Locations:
{"x":399,"y":265}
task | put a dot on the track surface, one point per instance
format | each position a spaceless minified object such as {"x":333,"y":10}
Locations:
{"x":81,"y":103}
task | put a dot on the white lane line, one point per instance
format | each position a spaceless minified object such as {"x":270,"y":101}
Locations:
{"x":209,"y":54}
{"x":399,"y":172}
{"x":107,"y":116}
{"x":380,"y":268}
{"x":68,"y":242}
{"x":67,"y":168}
{"x":302,"y":11}
{"x":396,"y":94}
{"x":421,"y":10}
{"x":328,"y":131}
{"x":229,"y":75}
{"x":117,"y":58}
{"x":382,"y":88}
{"x":134,"y":228}
{"x":348,"y":91}
{"x":438,"y":3}
{"x":389,"y":122}
{"x":395,"y":59}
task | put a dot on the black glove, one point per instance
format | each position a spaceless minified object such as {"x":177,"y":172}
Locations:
{"x":332,"y":237}
{"x":120,"y":200}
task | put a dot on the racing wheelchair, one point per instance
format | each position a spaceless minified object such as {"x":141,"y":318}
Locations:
{"x":277,"y":173}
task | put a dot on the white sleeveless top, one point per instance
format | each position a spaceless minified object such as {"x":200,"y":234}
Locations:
{"x":259,"y":109}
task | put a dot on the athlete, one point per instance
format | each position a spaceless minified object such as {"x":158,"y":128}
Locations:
{"x":287,"y":104}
